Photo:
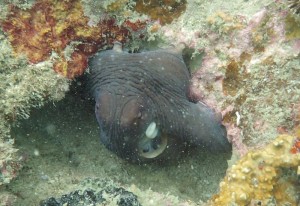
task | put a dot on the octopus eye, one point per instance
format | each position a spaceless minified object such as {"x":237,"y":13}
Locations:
{"x":153,"y":142}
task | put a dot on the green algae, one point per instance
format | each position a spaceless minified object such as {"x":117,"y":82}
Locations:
{"x":23,"y":4}
{"x":292,"y":26}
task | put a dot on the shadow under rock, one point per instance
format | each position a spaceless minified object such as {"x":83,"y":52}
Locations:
{"x":62,"y":147}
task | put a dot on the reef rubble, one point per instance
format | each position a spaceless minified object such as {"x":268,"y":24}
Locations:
{"x":23,"y":86}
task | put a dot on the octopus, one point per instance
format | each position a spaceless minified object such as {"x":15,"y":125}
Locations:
{"x":143,"y":108}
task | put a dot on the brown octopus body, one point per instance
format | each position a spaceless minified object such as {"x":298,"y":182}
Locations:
{"x":143,"y":109}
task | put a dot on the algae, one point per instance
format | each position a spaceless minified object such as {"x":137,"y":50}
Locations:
{"x":244,"y":39}
{"x":22,"y":4}
{"x":246,"y":45}
{"x":23,"y":86}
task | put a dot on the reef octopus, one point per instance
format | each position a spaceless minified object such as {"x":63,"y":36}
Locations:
{"x":143,"y":109}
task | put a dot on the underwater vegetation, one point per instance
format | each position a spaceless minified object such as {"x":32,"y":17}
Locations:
{"x":164,"y":11}
{"x":294,"y":5}
{"x":23,"y":86}
{"x":249,"y":71}
{"x":38,"y":37}
{"x":60,"y":28}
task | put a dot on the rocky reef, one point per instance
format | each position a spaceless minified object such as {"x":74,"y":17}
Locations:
{"x":249,"y":66}
{"x":43,"y":44}
{"x":105,"y":193}
{"x":59,"y":29}
{"x":23,"y":86}
{"x":245,"y":63}
{"x":269,"y":176}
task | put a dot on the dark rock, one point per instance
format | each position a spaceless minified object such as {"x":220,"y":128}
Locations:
{"x":91,"y":197}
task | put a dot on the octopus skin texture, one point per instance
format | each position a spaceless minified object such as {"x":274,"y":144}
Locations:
{"x":143,"y":109}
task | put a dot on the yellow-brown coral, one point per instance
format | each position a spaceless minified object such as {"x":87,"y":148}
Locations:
{"x":163,"y":10}
{"x":223,"y":22}
{"x":263,"y":177}
{"x":52,"y":26}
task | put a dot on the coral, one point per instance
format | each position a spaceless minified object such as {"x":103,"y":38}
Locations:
{"x":265,"y":176}
{"x":74,"y":30}
{"x":249,"y":65}
{"x":249,"y":70}
{"x":296,"y":115}
{"x":9,"y":165}
{"x":257,"y":92}
{"x":222,"y":22}
{"x":60,"y":27}
{"x":22,"y":87}
{"x":97,"y":10}
{"x":292,"y":28}
{"x":163,"y":10}
{"x":57,"y":35}
{"x":5,"y":5}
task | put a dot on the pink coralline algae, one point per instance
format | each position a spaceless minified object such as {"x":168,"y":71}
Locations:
{"x":242,"y":57}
